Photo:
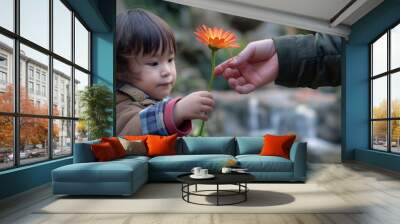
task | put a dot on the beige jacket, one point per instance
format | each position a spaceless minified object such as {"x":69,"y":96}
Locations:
{"x":130,"y":101}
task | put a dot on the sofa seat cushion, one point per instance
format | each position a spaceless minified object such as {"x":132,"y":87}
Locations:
{"x":133,"y":157}
{"x":257,"y":163}
{"x":112,"y":171}
{"x":185,"y":163}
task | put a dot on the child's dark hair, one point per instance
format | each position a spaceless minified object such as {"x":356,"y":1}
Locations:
{"x":141,"y":32}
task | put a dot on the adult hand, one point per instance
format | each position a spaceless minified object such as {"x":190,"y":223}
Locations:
{"x":255,"y":66}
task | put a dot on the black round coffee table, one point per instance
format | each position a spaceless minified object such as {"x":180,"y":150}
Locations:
{"x":238,"y":179}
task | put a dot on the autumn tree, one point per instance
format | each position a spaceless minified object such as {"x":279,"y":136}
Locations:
{"x":380,"y":127}
{"x":33,"y":130}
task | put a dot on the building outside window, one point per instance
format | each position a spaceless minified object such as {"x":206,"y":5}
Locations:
{"x":34,"y":74}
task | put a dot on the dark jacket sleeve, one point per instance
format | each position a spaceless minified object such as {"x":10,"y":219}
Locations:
{"x":308,"y":60}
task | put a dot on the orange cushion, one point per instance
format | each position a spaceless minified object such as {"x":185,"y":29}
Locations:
{"x":161,"y":145}
{"x":116,"y":145}
{"x":277,"y":145}
{"x":103,"y":151}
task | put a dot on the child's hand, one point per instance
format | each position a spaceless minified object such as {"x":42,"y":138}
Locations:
{"x":196,"y":105}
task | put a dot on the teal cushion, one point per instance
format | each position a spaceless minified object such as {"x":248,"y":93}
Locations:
{"x":111,"y":171}
{"x":206,"y":145}
{"x":249,"y":145}
{"x":257,"y":163}
{"x":185,"y":163}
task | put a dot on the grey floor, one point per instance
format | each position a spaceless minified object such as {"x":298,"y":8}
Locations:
{"x":379,"y":189}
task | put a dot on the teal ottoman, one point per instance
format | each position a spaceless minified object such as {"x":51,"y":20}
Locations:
{"x":118,"y":177}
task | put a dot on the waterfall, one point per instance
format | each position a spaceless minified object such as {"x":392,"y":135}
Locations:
{"x":252,"y":120}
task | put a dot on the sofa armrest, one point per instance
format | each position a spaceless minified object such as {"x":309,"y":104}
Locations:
{"x":298,"y":155}
{"x":83,"y":152}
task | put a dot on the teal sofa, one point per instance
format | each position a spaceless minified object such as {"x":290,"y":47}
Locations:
{"x":125,"y":176}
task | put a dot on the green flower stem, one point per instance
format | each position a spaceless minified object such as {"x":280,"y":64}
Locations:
{"x":210,"y":83}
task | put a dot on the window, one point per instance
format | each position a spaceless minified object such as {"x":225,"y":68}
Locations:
{"x":81,"y":45}
{"x":43,"y":90}
{"x":3,"y":71}
{"x":30,"y":87}
{"x":37,"y":74}
{"x":385,"y":94}
{"x":38,"y":89}
{"x":41,"y":68}
{"x":30,"y":72}
{"x":7,"y":14}
{"x":3,"y":78}
{"x":34,"y":21}
{"x":3,"y":61}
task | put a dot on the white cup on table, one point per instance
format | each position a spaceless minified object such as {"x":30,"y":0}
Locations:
{"x":203,"y":172}
{"x":196,"y":170}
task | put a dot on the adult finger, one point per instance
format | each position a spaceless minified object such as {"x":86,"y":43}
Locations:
{"x":241,"y":81}
{"x":231,"y":73}
{"x":222,"y":67}
{"x":244,"y":89}
{"x":232,"y":83}
{"x":244,"y":56}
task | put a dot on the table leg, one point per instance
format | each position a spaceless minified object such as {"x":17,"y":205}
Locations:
{"x":245,"y":193}
{"x":217,"y":194}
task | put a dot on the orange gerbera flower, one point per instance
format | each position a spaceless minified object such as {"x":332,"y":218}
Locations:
{"x":215,"y":37}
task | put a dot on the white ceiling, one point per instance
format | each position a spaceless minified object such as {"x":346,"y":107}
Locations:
{"x":321,"y":9}
{"x":316,"y":15}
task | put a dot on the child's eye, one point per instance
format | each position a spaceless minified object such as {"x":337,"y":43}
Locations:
{"x":171,"y":60}
{"x":153,"y":63}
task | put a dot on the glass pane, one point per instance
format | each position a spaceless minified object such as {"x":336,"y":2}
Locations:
{"x":6,"y":74}
{"x":62,"y":29}
{"x":81,"y":81}
{"x":395,"y":47}
{"x":7,"y":14}
{"x":81,"y":131}
{"x":379,"y":135}
{"x":33,"y":139}
{"x":6,"y":142}
{"x":379,"y":97}
{"x":81,"y":45}
{"x":34,"y":97}
{"x":62,"y":141}
{"x":395,"y":94}
{"x":62,"y":89}
{"x":35,"y":21}
{"x":395,"y":136}
{"x":379,"y":55}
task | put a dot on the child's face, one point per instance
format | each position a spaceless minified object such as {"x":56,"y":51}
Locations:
{"x":156,"y":75}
